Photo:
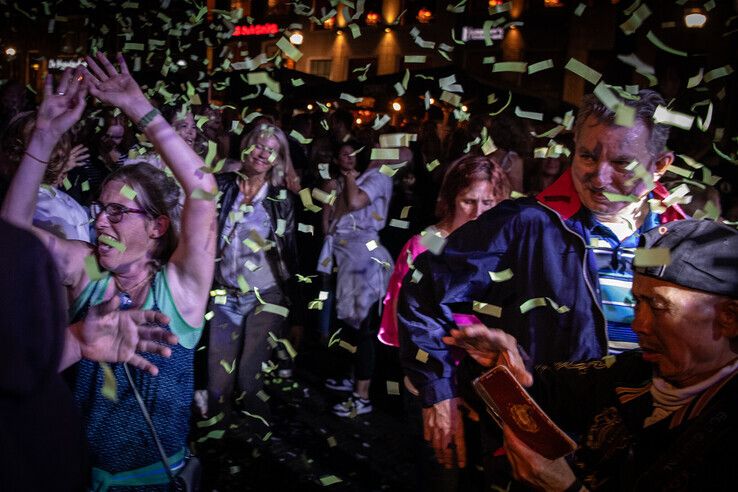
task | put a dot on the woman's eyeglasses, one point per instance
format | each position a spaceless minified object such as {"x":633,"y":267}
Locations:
{"x":114,"y":211}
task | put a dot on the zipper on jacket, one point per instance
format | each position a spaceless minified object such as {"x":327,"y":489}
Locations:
{"x":594,"y":294}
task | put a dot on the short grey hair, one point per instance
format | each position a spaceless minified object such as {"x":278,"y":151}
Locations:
{"x":645,"y":104}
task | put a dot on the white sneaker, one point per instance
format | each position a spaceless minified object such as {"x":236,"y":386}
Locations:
{"x":344,"y":384}
{"x":352,"y":407}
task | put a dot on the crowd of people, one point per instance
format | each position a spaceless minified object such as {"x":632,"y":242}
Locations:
{"x":194,"y":259}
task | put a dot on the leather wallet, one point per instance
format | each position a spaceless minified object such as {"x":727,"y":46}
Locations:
{"x":508,"y":403}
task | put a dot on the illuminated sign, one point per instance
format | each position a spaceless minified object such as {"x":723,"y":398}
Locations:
{"x":256,"y":30}
{"x":476,"y":34}
{"x":60,"y":64}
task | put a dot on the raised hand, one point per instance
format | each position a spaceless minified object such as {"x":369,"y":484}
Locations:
{"x":489,"y":347}
{"x":109,"y":335}
{"x":77,"y":156}
{"x":110,"y":86}
{"x":61,"y":108}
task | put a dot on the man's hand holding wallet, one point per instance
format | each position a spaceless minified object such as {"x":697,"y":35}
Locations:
{"x":534,"y":443}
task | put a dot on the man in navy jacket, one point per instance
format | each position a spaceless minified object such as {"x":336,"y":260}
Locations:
{"x":533,"y":267}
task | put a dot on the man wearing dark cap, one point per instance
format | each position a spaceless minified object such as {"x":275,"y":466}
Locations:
{"x":665,"y":416}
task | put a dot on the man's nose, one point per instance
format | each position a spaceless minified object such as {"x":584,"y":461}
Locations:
{"x":601,"y":177}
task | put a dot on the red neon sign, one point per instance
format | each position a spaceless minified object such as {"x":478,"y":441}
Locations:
{"x":256,"y":30}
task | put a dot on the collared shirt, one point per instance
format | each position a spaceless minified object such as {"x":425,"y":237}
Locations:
{"x":247,"y":230}
{"x":615,"y":270}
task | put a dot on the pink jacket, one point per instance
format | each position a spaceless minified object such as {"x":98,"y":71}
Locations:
{"x":388,"y":327}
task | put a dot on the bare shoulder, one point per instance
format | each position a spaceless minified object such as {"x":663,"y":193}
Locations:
{"x":190,"y":296}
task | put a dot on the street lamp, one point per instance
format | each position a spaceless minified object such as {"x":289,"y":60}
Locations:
{"x":296,"y":38}
{"x":10,"y":51}
{"x":694,"y":18}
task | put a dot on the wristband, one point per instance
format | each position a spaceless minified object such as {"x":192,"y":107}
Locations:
{"x":36,"y":158}
{"x":148,"y":117}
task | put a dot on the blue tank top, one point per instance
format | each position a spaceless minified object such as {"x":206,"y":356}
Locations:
{"x":118,"y":436}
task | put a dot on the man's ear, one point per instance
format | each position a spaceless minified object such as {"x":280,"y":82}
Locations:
{"x":159,"y":226}
{"x":727,"y":318}
{"x":663,"y":161}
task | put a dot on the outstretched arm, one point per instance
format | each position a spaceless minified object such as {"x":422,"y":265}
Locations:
{"x":59,"y":111}
{"x":192,"y":263}
{"x":109,"y":335}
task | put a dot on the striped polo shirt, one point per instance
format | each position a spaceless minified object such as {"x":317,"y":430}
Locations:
{"x":615,"y":270}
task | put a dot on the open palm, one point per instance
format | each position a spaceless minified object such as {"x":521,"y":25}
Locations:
{"x":110,"y":86}
{"x":62,"y":108}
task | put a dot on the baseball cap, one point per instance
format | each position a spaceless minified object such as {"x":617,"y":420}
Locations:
{"x":704,"y":255}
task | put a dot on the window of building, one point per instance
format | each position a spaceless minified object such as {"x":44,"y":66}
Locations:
{"x":321,"y":68}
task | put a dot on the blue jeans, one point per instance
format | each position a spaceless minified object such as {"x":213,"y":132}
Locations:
{"x":238,"y":335}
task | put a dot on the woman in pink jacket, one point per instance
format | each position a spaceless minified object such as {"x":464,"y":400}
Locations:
{"x":472,"y":185}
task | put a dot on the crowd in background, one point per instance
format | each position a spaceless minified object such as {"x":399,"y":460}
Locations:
{"x":318,"y":221}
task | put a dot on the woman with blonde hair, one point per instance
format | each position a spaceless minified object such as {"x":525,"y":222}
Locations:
{"x":258,"y":262}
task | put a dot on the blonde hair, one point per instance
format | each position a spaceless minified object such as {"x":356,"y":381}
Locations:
{"x":282,"y":164}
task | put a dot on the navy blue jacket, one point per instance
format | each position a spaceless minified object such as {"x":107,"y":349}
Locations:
{"x":544,"y":245}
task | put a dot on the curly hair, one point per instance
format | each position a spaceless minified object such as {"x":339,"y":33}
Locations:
{"x":462,"y":173}
{"x":157,"y":194}
{"x":14,"y":143}
{"x":645,"y":104}
{"x":282,"y":162}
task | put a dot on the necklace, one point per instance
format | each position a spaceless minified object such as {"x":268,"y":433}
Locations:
{"x":133,"y":291}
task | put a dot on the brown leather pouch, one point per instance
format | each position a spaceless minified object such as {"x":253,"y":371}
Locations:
{"x":508,"y":403}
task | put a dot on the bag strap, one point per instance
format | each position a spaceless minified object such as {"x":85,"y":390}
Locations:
{"x":150,"y":424}
{"x":142,"y":405}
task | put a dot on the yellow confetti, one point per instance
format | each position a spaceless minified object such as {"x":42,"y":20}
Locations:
{"x":539,"y":66}
{"x":421,"y":356}
{"x":393,"y":388}
{"x":485,"y":308}
{"x":92,"y":269}
{"x":326,"y":480}
{"x":216,"y":434}
{"x":636,"y":19}
{"x":110,"y":386}
{"x":400,"y":224}
{"x":518,"y":67}
{"x":649,"y":257}
{"x":274,"y":309}
{"x":665,"y":116}
{"x":345,"y":345}
{"x":660,"y":44}
{"x":211,"y":421}
{"x":385,"y":154}
{"x":433,"y":242}
{"x":228,"y":367}
{"x":289,"y":49}
{"x":501,"y":276}
{"x":532,"y":304}
{"x":590,"y":75}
